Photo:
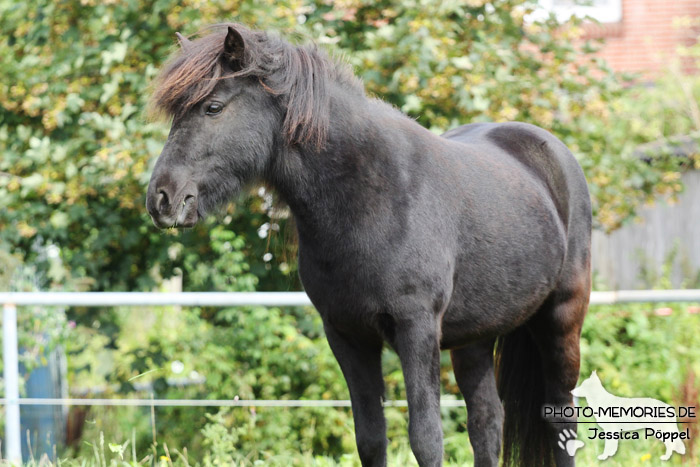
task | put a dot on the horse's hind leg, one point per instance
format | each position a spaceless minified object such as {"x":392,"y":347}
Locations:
{"x":360,"y":361}
{"x":556,"y":328}
{"x":473,"y":367}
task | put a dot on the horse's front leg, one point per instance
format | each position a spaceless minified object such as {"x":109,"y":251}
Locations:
{"x":418,"y":347}
{"x":360,"y":361}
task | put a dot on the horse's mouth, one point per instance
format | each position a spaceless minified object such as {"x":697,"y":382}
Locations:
{"x":188,"y":215}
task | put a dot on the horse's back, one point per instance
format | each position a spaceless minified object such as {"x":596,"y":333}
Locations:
{"x":539,"y":152}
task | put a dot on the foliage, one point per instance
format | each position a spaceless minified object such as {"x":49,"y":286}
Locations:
{"x":633,"y":343}
{"x":450,"y":63}
{"x":40,"y":329}
{"x":637,"y":351}
{"x":77,"y":152}
{"x":658,"y":112}
{"x":109,"y":452}
{"x":651,"y":277}
{"x":77,"y":149}
{"x":282,"y":354}
{"x":259,"y":354}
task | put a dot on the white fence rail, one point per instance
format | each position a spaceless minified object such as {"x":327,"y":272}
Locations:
{"x":11,"y":300}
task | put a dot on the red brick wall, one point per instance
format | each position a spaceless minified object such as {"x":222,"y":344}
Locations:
{"x":646,"y":39}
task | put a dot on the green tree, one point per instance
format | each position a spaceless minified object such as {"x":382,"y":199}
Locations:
{"x":77,"y":148}
{"x":454,"y":62}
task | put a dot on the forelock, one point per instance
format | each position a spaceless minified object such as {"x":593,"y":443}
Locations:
{"x":298,"y":76}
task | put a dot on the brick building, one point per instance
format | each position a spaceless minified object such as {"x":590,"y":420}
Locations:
{"x":640,"y":35}
{"x":643,"y":36}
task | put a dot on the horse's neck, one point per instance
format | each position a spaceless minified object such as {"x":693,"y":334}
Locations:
{"x":368,"y":146}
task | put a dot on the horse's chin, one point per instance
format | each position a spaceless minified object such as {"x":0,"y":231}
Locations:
{"x":189,"y":214}
{"x":170,"y":224}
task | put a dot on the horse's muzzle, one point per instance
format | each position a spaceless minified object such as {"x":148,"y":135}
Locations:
{"x":168,"y":209}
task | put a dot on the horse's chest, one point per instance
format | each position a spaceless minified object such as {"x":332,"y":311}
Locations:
{"x":353,"y":290}
{"x":351,"y":282}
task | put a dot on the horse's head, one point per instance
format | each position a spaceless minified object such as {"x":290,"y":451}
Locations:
{"x":225,"y":125}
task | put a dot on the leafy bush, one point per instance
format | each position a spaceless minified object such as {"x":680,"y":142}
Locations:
{"x":254,"y":353}
{"x":635,"y":349}
{"x":77,"y":152}
{"x":272,"y":354}
{"x":77,"y":149}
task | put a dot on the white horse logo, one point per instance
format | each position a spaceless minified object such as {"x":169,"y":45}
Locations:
{"x":621,"y":418}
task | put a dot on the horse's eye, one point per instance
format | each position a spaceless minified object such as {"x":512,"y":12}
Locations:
{"x":215,"y":108}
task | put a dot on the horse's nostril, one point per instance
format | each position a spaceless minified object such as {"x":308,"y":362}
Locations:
{"x":162,"y":202}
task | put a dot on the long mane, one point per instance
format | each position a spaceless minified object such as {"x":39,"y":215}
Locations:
{"x":298,"y":75}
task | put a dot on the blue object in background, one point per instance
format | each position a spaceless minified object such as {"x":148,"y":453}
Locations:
{"x":44,"y":426}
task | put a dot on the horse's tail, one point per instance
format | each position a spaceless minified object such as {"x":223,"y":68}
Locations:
{"x":520,"y":380}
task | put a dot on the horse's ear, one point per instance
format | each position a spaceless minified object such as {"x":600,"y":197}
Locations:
{"x":234,"y":48}
{"x":185,"y":43}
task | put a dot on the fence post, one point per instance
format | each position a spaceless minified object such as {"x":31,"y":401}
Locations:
{"x":13,"y":448}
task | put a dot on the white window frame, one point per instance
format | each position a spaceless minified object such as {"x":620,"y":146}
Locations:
{"x":605,"y":11}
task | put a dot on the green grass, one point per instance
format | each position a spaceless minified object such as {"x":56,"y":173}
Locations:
{"x":104,"y":453}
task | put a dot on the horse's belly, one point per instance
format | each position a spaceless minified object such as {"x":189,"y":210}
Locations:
{"x":471,"y":321}
{"x":500,"y":294}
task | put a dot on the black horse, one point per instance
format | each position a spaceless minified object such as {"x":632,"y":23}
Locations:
{"x":459,"y":242}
